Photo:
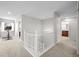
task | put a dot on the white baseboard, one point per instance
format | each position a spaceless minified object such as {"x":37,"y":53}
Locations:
{"x":29,"y":51}
{"x":47,"y":49}
{"x":40,"y":53}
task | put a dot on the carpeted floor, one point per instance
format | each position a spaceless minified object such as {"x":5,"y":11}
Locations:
{"x":13,"y":48}
{"x":62,"y":49}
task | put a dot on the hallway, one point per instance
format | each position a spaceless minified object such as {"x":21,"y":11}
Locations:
{"x":36,"y":29}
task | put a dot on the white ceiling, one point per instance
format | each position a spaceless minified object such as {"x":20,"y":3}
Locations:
{"x":41,"y":10}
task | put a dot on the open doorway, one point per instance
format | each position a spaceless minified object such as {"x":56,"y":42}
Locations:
{"x":7,"y":29}
{"x":68,"y":31}
{"x":65,"y":29}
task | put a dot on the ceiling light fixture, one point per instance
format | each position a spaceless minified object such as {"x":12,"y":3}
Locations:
{"x":67,"y":19}
{"x":9,"y":12}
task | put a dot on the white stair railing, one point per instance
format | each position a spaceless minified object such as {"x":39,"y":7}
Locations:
{"x":31,"y":43}
{"x":35,"y":43}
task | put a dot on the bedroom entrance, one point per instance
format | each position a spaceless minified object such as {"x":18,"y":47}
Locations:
{"x":65,"y":29}
{"x":68,"y":31}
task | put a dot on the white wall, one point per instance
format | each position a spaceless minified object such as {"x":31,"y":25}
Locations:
{"x":59,"y":30}
{"x":48,"y":32}
{"x":73,"y":29}
{"x":38,"y":34}
{"x":78,"y":30}
{"x":17,"y":25}
{"x":31,"y":24}
{"x":57,"y":26}
{"x":32,"y":32}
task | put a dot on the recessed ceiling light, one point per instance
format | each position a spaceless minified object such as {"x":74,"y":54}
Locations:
{"x":9,"y":12}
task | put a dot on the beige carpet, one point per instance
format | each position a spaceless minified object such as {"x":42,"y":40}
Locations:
{"x":13,"y":48}
{"x":60,"y":50}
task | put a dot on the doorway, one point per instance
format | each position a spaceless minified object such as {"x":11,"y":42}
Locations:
{"x":65,"y":30}
{"x":68,"y":31}
{"x":7,"y":30}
